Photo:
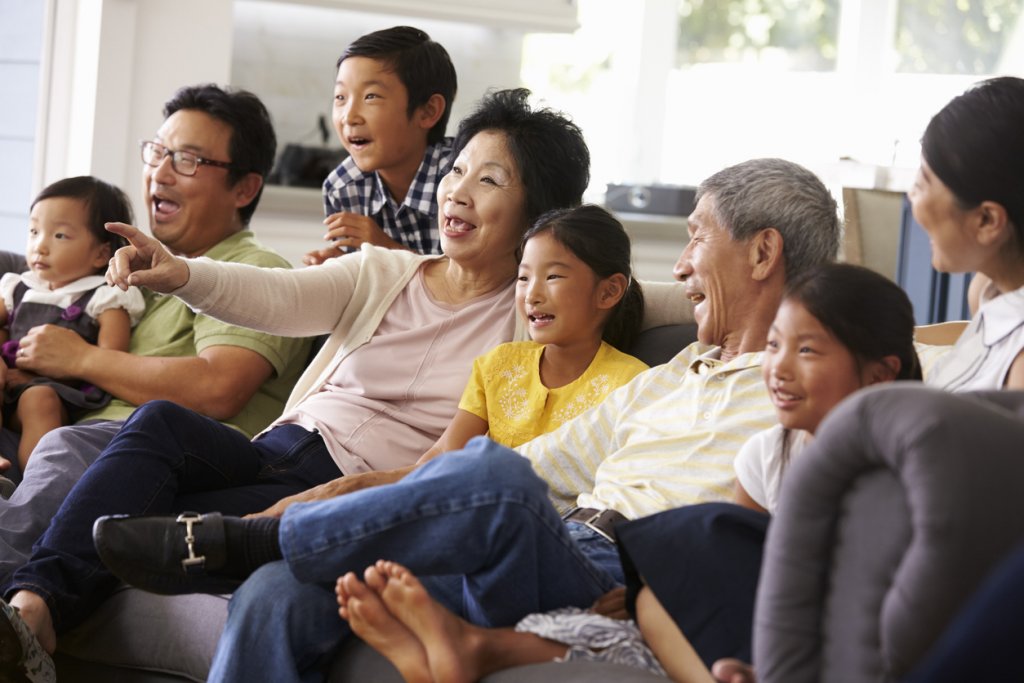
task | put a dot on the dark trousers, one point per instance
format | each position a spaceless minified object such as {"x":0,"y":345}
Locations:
{"x":981,"y":643}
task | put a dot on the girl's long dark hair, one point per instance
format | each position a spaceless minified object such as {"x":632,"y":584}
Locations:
{"x":866,"y":312}
{"x":600,"y":241}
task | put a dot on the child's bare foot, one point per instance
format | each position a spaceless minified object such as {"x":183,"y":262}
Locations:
{"x":362,"y":608}
{"x":36,"y":614}
{"x":450,"y":642}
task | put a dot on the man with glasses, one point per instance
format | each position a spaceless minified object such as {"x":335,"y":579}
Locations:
{"x":202,"y":177}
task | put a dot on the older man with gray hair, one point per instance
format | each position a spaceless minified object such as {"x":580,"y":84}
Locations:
{"x":498,"y":534}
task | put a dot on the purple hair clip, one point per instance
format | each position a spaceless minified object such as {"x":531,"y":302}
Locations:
{"x":71,"y":313}
{"x":9,"y":352}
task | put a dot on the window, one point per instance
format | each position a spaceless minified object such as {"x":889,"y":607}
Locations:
{"x":955,"y":37}
{"x":673,"y":90}
{"x":800,"y":36}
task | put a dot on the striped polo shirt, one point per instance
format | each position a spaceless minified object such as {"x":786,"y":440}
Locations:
{"x":666,"y":439}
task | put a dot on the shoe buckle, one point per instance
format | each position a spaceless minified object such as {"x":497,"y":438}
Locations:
{"x":193,"y":561}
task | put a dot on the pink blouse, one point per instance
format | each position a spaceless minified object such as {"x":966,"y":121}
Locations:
{"x":391,"y":399}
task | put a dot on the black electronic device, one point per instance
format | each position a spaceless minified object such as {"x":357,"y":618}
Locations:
{"x":665,"y":200}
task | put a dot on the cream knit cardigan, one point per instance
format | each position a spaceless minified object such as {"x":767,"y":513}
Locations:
{"x":346,"y":298}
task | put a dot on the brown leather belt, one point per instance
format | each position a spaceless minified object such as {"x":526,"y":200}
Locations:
{"x":601,"y":521}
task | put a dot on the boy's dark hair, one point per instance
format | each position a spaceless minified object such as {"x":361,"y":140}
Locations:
{"x":253,"y":143}
{"x":552,"y":157}
{"x":422,"y":65}
{"x":974,"y":145}
{"x":600,"y":241}
{"x":104,"y":203}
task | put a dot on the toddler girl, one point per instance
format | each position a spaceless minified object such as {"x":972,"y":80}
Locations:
{"x":67,"y":254}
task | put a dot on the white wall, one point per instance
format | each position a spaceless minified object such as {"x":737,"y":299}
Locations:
{"x":286,"y":53}
{"x":114,"y":64}
{"x":21,"y":48}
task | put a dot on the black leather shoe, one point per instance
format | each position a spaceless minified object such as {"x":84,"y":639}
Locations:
{"x":167,"y":555}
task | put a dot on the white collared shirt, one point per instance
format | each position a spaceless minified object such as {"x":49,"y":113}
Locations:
{"x":982,"y":356}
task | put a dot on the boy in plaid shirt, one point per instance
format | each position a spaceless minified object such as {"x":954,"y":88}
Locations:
{"x":392,"y":100}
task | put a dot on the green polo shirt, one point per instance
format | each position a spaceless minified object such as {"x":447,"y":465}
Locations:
{"x":170,"y":329}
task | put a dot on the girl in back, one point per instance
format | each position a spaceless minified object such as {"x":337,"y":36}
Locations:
{"x":838,"y":329}
{"x":67,"y":254}
{"x":577,"y":296}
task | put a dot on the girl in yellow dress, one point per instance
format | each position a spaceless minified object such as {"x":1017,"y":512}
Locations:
{"x":577,"y":296}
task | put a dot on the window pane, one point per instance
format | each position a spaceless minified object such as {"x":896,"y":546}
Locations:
{"x":954,"y":36}
{"x":798,"y":35}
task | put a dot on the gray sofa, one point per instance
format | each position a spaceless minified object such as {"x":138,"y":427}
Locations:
{"x":888,"y":523}
{"x":137,"y":637}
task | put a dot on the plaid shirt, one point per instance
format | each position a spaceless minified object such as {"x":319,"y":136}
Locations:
{"x":414,"y":221}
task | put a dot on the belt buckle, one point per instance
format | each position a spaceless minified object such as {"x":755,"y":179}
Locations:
{"x":591,"y":523}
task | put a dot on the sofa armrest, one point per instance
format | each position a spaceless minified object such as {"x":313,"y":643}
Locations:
{"x":887,"y":522}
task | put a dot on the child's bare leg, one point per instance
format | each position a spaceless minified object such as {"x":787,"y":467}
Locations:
{"x":361,"y":606}
{"x":667,"y":642}
{"x":40,"y":410}
{"x":457,"y":651}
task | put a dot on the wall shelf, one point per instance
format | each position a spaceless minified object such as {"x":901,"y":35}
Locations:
{"x":528,"y":15}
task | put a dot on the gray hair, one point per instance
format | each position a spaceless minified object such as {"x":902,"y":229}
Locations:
{"x":775,"y":193}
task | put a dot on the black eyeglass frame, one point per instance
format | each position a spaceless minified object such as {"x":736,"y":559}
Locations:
{"x":177,"y":154}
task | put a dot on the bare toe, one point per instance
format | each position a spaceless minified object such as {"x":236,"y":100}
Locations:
{"x":442,"y":634}
{"x":371,"y":621}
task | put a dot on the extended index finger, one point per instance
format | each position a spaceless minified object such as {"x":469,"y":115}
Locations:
{"x":135,"y":236}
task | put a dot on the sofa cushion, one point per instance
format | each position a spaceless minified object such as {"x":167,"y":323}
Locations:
{"x":140,"y":630}
{"x":139,"y":637}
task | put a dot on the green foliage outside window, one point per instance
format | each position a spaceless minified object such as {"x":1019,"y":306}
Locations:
{"x":802,"y":33}
{"x":954,"y":36}
{"x":932,"y":36}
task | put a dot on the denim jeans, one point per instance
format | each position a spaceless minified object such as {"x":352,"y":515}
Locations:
{"x":164,"y":460}
{"x":476,"y":525}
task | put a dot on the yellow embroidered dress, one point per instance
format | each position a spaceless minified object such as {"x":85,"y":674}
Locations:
{"x":505,"y":389}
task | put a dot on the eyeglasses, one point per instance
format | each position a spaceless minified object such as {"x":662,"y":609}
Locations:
{"x":183,"y":163}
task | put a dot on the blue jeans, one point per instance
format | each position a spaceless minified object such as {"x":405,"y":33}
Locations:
{"x":476,"y":525}
{"x":165,"y":459}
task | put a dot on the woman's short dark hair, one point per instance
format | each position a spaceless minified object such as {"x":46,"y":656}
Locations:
{"x":253,"y":143}
{"x":975,"y":146}
{"x":421,"y":64}
{"x":549,"y":150}
{"x":600,"y":241}
{"x":105,"y":203}
{"x":866,"y":312}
